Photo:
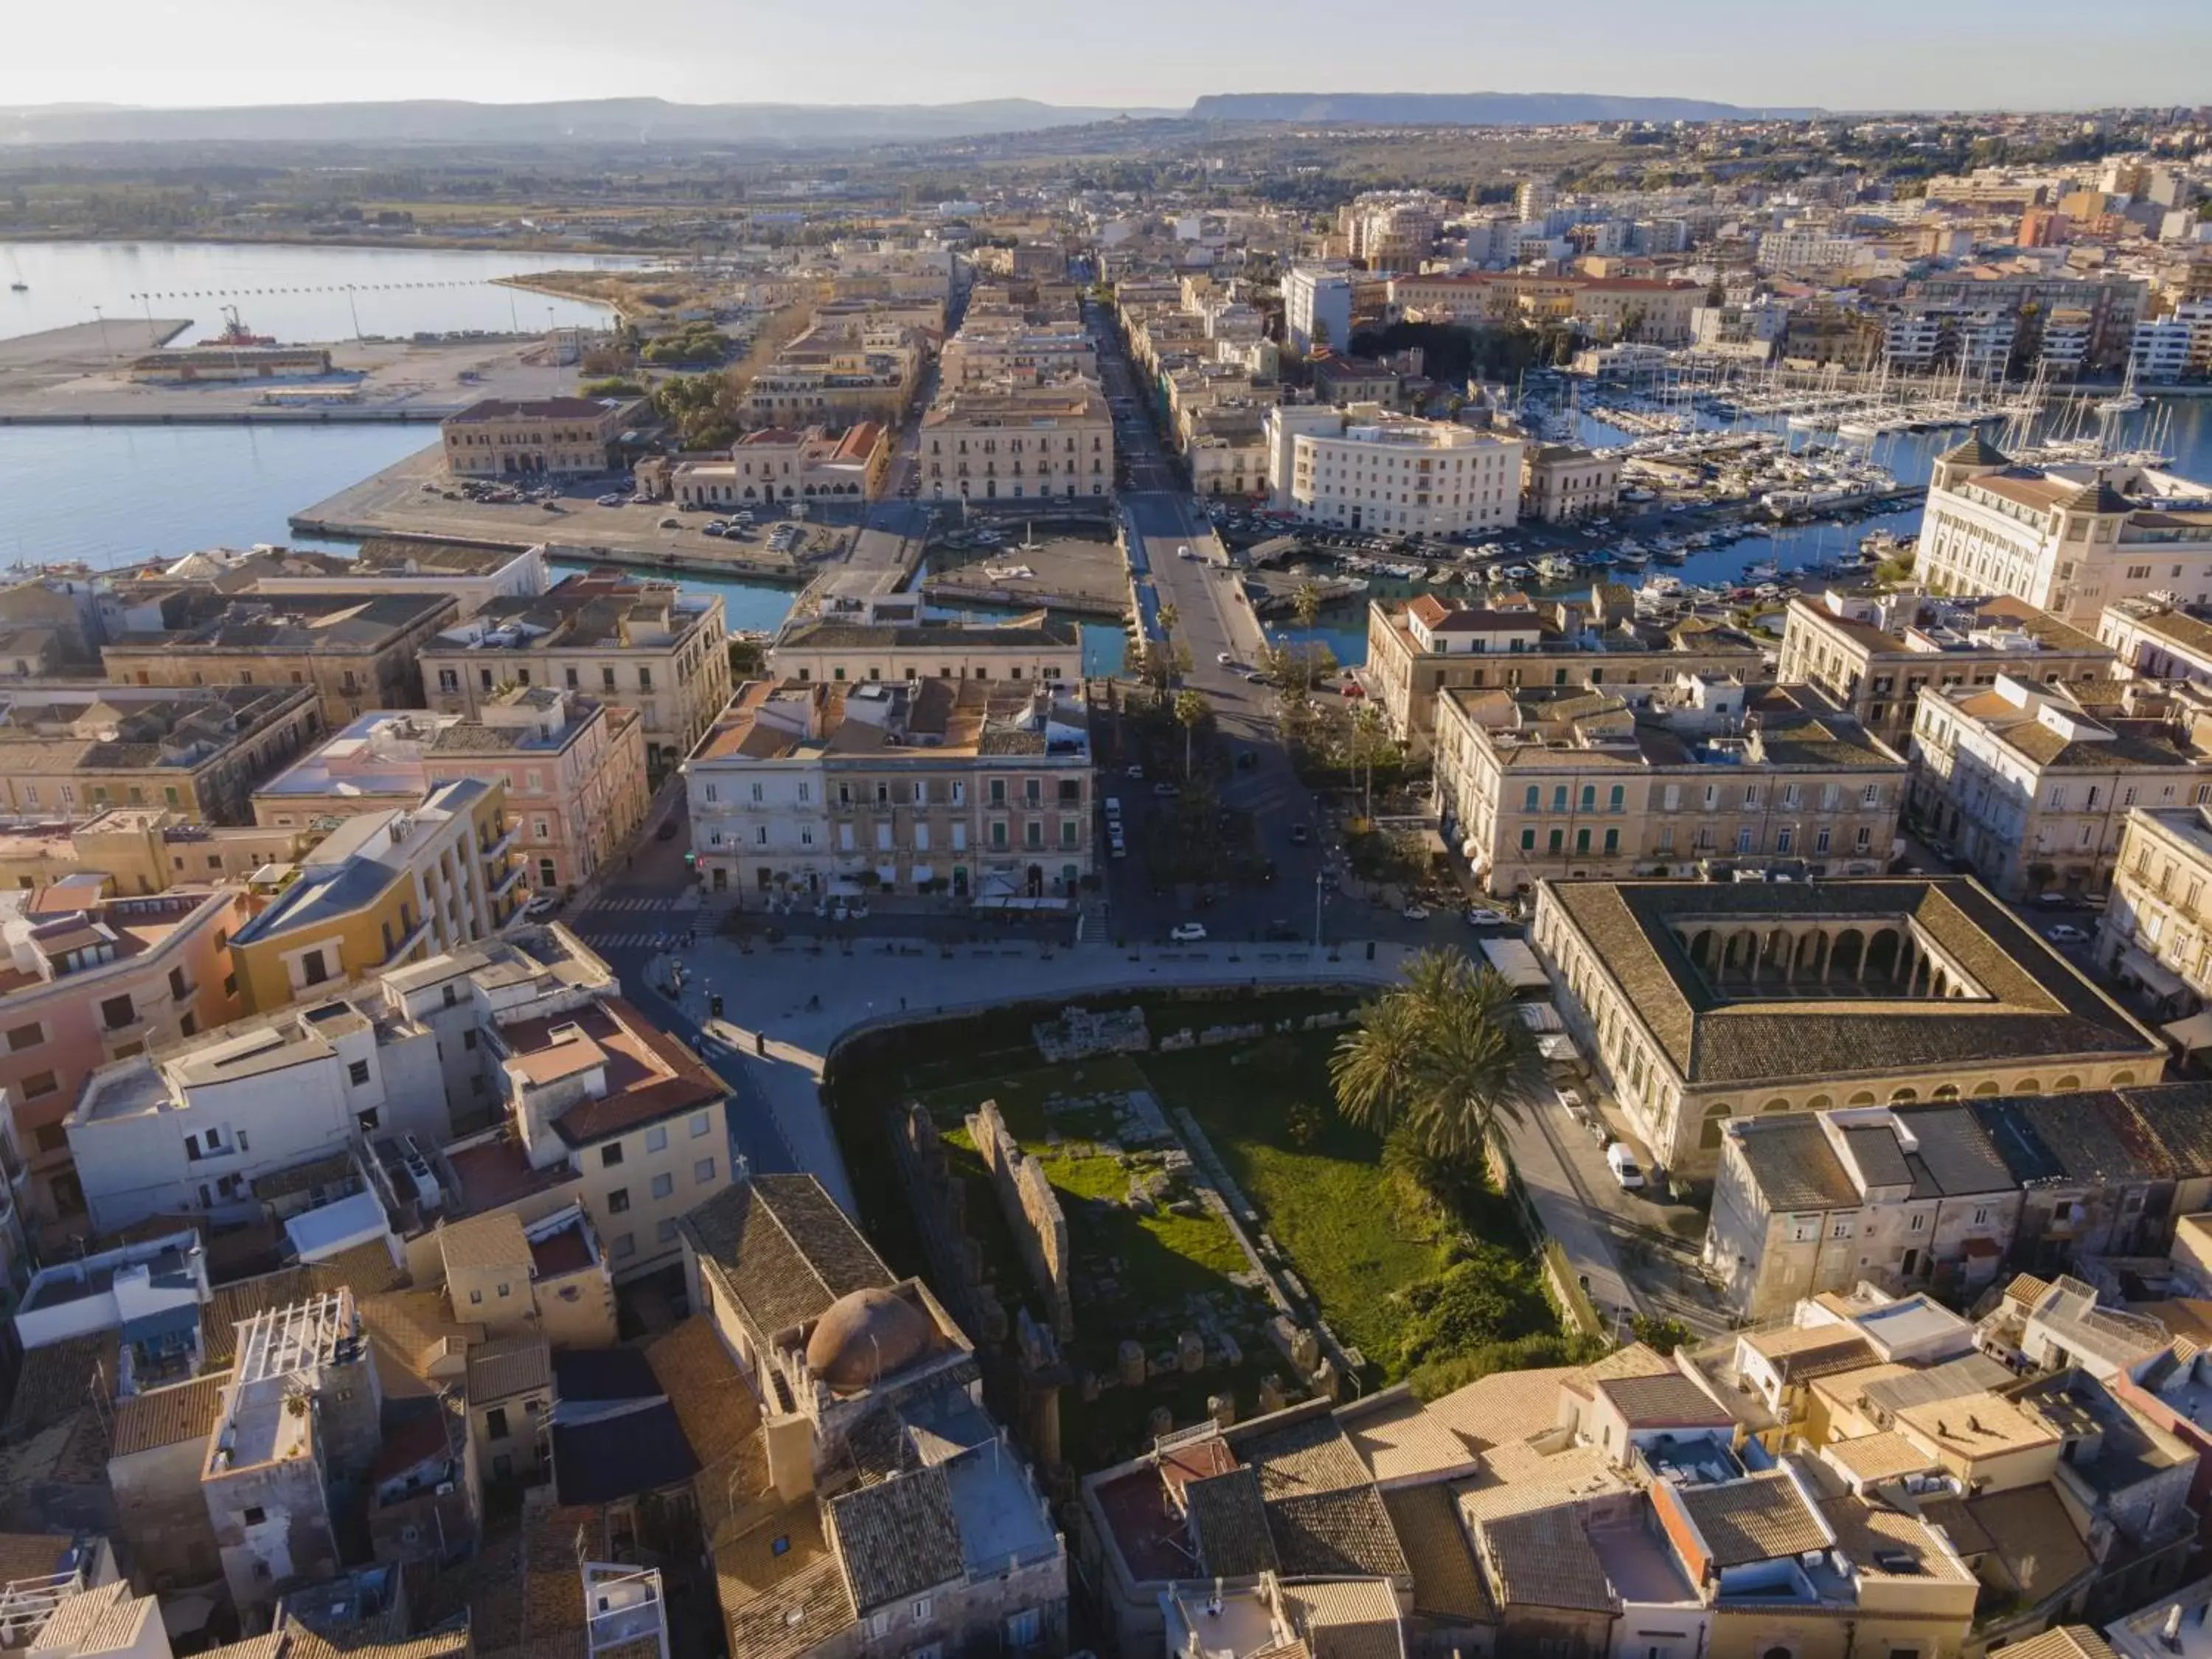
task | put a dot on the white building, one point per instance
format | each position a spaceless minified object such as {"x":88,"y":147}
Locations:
{"x":2069,"y":539}
{"x":1366,"y":469}
{"x":1317,"y":307}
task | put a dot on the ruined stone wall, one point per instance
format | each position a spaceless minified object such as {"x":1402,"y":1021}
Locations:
{"x":1033,"y":1213}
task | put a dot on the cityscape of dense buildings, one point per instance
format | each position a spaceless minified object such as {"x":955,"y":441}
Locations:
{"x":1638,"y":1116}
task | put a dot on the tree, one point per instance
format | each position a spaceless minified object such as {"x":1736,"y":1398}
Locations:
{"x":1305,"y":603}
{"x":1191,"y":712}
{"x":1169,"y":616}
{"x":1371,"y":736}
{"x":1444,"y":1056}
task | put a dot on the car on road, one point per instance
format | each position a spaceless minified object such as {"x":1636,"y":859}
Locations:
{"x":672,"y":523}
{"x":1224,"y":659}
{"x":1165,"y":792}
{"x":1300,"y":834}
{"x":1253,"y":677}
{"x":1622,"y":1162}
{"x":1185,"y":553}
{"x":1116,"y":846}
{"x":2066,"y":933}
{"x":667,"y":831}
{"x":612,"y":500}
{"x":541,"y":907}
{"x":1135,"y":773}
{"x":1478,"y":917}
{"x":1188,"y":932}
{"x":1417,"y":913}
{"x":1570,"y":1098}
{"x":2052,"y":900}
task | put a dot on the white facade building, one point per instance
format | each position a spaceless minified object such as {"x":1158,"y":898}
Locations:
{"x":1317,"y":304}
{"x":1366,"y":469}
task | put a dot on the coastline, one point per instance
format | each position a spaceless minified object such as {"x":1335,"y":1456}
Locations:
{"x":430,"y":243}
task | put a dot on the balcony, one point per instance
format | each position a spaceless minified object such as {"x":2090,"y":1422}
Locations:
{"x":500,"y":849}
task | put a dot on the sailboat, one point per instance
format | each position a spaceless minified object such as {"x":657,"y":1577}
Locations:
{"x":2127,"y":399}
{"x":15,"y":281}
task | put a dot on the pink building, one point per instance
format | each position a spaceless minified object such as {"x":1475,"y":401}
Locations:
{"x":574,"y":767}
{"x":93,"y":976}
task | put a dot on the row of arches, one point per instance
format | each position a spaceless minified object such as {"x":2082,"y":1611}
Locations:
{"x":1826,"y":954}
{"x":1719,"y":1113}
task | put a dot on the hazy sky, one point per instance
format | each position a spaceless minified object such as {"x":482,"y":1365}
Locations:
{"x":1850,"y":54}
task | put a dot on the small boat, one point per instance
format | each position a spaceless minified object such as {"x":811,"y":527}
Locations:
{"x":1764,"y":570}
{"x":2127,"y":399}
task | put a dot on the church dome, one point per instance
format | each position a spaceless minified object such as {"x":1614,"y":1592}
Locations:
{"x":866,"y":1336}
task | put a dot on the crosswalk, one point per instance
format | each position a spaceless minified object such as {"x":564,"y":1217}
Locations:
{"x":618,"y":924}
{"x":601,"y":939}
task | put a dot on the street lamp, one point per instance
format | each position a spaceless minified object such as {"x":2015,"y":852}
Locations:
{"x":1317,"y":895}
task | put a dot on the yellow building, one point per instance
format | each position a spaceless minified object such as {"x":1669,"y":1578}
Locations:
{"x":382,"y":890}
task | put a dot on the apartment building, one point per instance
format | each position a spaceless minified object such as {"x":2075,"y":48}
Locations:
{"x":2033,"y":783}
{"x":95,"y":977}
{"x":356,"y":651}
{"x":1025,"y":650}
{"x":2033,"y":286}
{"x":600,"y":1093}
{"x":1615,"y":1508}
{"x":1016,"y":442}
{"x":1645,"y":310}
{"x":72,"y":751}
{"x":646,"y":645}
{"x":1363,"y":468}
{"x":1317,"y":308}
{"x":2155,"y":641}
{"x":572,"y":768}
{"x":1948,"y":1197}
{"x":469,"y":575}
{"x":1417,"y":649}
{"x":1006,"y":348}
{"x":1704,"y":1002}
{"x":532,"y":437}
{"x":1561,"y":483}
{"x":1874,"y":656}
{"x":145,"y":849}
{"x":383,"y":889}
{"x":1391,"y":230}
{"x":2156,"y":930}
{"x":860,"y":367}
{"x":776,"y":464}
{"x":2070,"y":540}
{"x":1574,"y":782}
{"x":972,"y":787}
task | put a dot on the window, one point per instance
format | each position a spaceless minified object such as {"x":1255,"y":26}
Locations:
{"x":254,"y":1516}
{"x":496,"y":1423}
{"x":625,"y":1246}
{"x":312,"y":969}
{"x":475,"y":1299}
{"x":700,"y":1124}
{"x":656,"y":1140}
{"x":611,"y":1155}
{"x":663,"y":1185}
{"x":1022,"y":1629}
{"x":618,"y":1200}
{"x":357,"y":1072}
{"x":703,"y":1170}
{"x":921,"y":1610}
{"x":38,"y":1084}
{"x":665,"y":1232}
{"x":26,"y":1036}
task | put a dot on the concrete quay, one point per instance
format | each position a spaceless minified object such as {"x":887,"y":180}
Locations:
{"x":79,"y":376}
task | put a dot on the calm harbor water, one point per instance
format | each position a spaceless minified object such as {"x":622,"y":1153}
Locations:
{"x":295,"y":294}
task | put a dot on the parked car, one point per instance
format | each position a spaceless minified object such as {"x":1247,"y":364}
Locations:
{"x":1135,"y":774}
{"x":1622,"y":1162}
{"x":1478,"y":917}
{"x":1300,"y":834}
{"x":2066,"y":933}
{"x":1223,"y":657}
{"x":1165,"y":791}
{"x":1188,"y":932}
{"x":1570,"y":1098}
{"x":541,"y":907}
{"x":667,"y":831}
{"x":1417,"y":913}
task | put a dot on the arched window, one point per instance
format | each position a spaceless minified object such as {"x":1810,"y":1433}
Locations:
{"x":2027,"y":1085}
{"x":2122,"y":1078}
{"x":1778,"y":1104}
{"x":1818,"y":1104}
{"x":1989,"y":1085}
{"x":1715,"y":1123}
{"x":1899,"y":1096}
{"x":1864,"y":1097}
{"x":1948,"y":1091}
{"x":2069,"y":1081}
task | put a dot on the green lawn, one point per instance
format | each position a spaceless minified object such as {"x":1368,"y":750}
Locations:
{"x":1324,"y":1201}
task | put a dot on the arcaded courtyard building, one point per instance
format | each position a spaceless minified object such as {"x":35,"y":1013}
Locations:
{"x":1705,"y":1002}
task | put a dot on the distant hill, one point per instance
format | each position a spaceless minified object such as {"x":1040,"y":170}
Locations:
{"x":1473,"y":109}
{"x":610,"y":121}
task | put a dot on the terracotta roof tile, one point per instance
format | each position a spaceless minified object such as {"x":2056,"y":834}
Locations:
{"x":163,"y":1417}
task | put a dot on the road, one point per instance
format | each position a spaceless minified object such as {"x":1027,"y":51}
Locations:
{"x":1213,"y":620}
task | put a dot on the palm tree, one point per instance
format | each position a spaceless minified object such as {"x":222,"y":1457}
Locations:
{"x":1305,"y":603}
{"x":1169,"y":616}
{"x":1190,"y":711}
{"x":1368,"y":736}
{"x":1442,"y":1058}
